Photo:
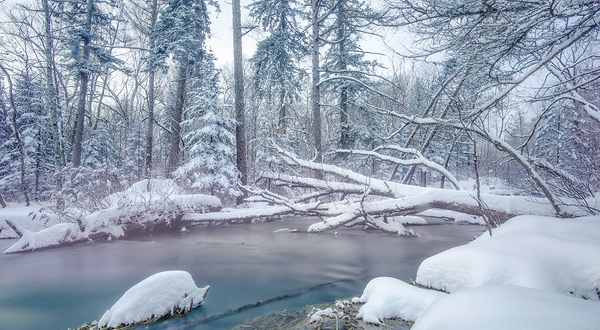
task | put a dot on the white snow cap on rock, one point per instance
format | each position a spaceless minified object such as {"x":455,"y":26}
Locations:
{"x":509,"y":308}
{"x":387,"y":297}
{"x":560,"y":255}
{"x":162,"y":294}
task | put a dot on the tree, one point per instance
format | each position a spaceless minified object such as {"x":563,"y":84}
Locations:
{"x":238,"y":72}
{"x":17,"y":136}
{"x":345,"y":57}
{"x":86,"y":20}
{"x":181,"y":32}
{"x":209,"y":139}
{"x":276,"y":61}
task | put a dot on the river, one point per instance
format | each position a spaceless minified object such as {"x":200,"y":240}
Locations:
{"x":65,"y":287}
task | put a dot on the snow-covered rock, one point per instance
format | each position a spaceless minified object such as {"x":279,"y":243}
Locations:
{"x":318,"y":315}
{"x":560,"y":255}
{"x":509,"y":308}
{"x":387,"y":297}
{"x":163,"y":294}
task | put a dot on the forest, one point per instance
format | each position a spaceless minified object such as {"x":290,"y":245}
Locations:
{"x":117,"y":116}
{"x":97,"y":95}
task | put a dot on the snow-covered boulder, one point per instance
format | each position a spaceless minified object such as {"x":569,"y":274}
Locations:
{"x":560,"y":255}
{"x":387,"y":297}
{"x":163,"y":294}
{"x":509,"y":308}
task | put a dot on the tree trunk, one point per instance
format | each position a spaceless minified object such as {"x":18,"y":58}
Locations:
{"x":17,"y":137}
{"x":282,"y":127}
{"x":83,"y":84}
{"x":52,"y":104}
{"x":315,"y":91}
{"x":341,"y":36}
{"x":150,"y":127}
{"x":238,"y":74}
{"x":2,"y":202}
{"x":175,"y":150}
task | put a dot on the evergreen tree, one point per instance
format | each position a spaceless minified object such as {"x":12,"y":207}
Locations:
{"x":276,"y":60}
{"x":209,"y":137}
{"x":181,"y":32}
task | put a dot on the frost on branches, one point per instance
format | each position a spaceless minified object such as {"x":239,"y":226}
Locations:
{"x":208,"y":138}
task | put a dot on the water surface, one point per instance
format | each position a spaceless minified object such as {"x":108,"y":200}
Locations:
{"x":65,"y":287}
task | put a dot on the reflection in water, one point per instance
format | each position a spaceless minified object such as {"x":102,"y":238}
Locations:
{"x":66,"y":287}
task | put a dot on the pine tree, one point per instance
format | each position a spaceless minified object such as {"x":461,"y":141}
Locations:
{"x":276,"y":64}
{"x":346,"y":58}
{"x":181,"y":32}
{"x":209,"y":137}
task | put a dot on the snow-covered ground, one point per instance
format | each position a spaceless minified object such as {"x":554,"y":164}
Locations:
{"x":32,"y":218}
{"x":532,"y":273}
{"x":166,"y":293}
{"x":560,"y":255}
{"x":509,"y":308}
{"x":387,"y":297}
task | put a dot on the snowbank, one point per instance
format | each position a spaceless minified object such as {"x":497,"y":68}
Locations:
{"x":560,"y":255}
{"x":134,"y":208}
{"x":387,"y":297}
{"x":509,"y":308}
{"x":163,"y":294}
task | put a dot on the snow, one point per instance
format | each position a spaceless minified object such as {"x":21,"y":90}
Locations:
{"x":407,"y":220}
{"x":458,"y":217}
{"x":387,"y":297}
{"x":285,"y":230}
{"x":162,"y":294}
{"x":137,"y":204}
{"x":62,"y":232}
{"x":317,"y":316}
{"x":509,"y":308}
{"x":559,"y":255}
{"x":32,"y":218}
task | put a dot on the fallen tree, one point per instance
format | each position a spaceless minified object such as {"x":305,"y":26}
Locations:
{"x":143,"y":208}
{"x":374,"y":200}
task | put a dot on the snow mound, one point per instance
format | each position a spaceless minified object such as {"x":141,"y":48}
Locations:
{"x":560,"y":255}
{"x":509,"y":308}
{"x":387,"y":297}
{"x":163,"y":294}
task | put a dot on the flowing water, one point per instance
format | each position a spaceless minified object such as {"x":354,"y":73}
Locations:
{"x":65,"y":287}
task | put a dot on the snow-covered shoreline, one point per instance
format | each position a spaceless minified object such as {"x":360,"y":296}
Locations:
{"x":532,"y":273}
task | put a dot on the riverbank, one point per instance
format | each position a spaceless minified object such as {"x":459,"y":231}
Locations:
{"x":62,"y":288}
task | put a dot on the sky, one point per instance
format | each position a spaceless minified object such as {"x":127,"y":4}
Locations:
{"x":221,"y":41}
